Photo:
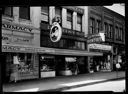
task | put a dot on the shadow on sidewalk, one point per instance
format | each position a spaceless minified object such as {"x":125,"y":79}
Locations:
{"x":60,"y":82}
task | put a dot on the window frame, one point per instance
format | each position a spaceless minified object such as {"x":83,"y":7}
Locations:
{"x":79,"y":16}
{"x":71,"y":16}
{"x":11,"y":12}
{"x":98,"y":25}
{"x":45,"y":13}
{"x":116,"y":32}
{"x":27,"y":15}
{"x":92,"y":25}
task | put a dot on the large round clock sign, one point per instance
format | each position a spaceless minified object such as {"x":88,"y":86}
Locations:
{"x":55,"y":32}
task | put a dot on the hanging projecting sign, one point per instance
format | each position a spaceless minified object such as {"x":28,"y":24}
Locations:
{"x":100,"y":46}
{"x":96,"y":38}
{"x":102,"y":36}
{"x":55,"y":32}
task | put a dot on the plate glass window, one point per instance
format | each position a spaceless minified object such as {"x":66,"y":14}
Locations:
{"x":8,"y":11}
{"x":24,"y":13}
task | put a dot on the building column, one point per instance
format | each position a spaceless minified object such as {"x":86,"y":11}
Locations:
{"x":64,"y":17}
{"x":51,"y":14}
{"x":16,"y":14}
{"x":88,"y":59}
{"x":35,"y":15}
{"x":74,"y":21}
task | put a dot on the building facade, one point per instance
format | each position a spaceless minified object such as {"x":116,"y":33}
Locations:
{"x":71,"y":57}
{"x":112,"y":25}
{"x":29,"y":53}
{"x":20,"y":37}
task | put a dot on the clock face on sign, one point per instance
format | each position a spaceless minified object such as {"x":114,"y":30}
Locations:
{"x":55,"y":32}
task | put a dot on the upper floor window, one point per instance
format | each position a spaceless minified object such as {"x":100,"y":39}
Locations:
{"x":98,"y":26}
{"x":121,"y":34}
{"x":79,"y":18}
{"x":45,"y":10}
{"x":45,"y":13}
{"x":8,"y":11}
{"x":69,"y":19}
{"x":106,"y":29}
{"x":24,"y":13}
{"x":79,"y":21}
{"x":111,"y":30}
{"x":58,"y":13}
{"x":69,"y":16}
{"x":92,"y":26}
{"x":116,"y":32}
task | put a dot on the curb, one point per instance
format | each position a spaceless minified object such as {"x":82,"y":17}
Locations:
{"x":80,"y":85}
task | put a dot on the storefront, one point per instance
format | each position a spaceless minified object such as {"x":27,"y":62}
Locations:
{"x":119,"y":56}
{"x":101,"y":63}
{"x":61,"y":65}
{"x":20,"y":61}
{"x":63,"y":62}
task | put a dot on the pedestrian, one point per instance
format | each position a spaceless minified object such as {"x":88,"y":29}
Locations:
{"x":101,"y":65}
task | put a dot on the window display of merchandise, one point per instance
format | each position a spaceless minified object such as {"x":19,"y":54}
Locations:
{"x":47,"y":63}
{"x":23,"y":67}
{"x":24,"y":62}
{"x":99,"y":65}
{"x":47,"y":66}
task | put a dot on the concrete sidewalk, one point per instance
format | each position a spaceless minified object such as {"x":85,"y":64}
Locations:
{"x":61,"y":82}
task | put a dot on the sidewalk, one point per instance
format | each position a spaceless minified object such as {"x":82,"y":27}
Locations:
{"x":61,"y":82}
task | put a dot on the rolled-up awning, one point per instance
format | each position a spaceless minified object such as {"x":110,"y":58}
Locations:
{"x":45,"y":50}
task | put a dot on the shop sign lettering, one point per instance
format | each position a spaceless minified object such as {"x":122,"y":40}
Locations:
{"x":10,"y":48}
{"x":15,"y":27}
{"x":72,"y":32}
{"x":6,"y":38}
{"x":9,"y":38}
{"x":100,"y":37}
{"x":99,"y":46}
{"x":94,"y":40}
{"x":20,"y":39}
{"x":79,"y":10}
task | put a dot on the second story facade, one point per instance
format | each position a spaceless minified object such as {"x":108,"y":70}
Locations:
{"x":101,"y":19}
{"x":72,"y":21}
{"x":20,"y":26}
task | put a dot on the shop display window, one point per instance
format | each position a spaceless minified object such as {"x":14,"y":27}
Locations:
{"x":47,"y":63}
{"x":25,"y":62}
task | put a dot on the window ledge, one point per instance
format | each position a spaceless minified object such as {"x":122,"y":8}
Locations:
{"x":9,"y":18}
{"x":25,"y":21}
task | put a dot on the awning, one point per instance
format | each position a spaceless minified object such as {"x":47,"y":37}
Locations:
{"x":45,"y":50}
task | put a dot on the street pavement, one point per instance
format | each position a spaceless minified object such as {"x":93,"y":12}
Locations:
{"x":113,"y":85}
{"x":61,"y":82}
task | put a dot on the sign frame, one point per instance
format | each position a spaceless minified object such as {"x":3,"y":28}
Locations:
{"x":56,"y":32}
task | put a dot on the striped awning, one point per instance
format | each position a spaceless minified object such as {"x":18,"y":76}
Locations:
{"x":45,"y":50}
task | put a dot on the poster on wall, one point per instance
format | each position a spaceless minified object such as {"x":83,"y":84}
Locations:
{"x":15,"y":60}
